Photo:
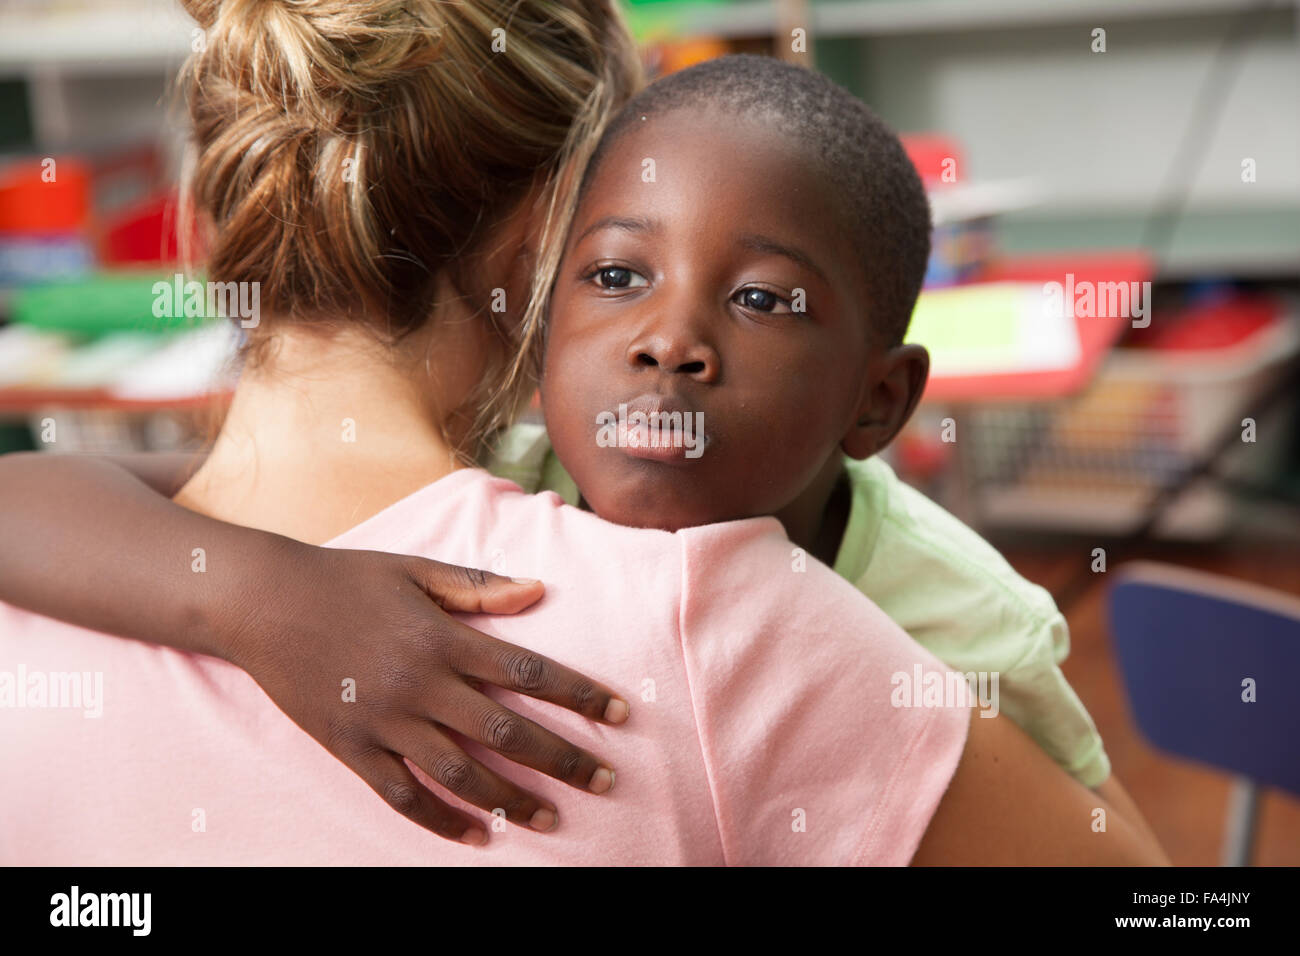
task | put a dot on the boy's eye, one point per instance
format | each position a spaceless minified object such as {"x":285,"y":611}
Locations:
{"x":760,"y":300}
{"x":616,"y":277}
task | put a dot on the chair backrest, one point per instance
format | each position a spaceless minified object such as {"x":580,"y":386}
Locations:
{"x":1193,"y":648}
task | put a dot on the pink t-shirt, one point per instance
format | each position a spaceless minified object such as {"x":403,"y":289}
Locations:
{"x":761,"y":728}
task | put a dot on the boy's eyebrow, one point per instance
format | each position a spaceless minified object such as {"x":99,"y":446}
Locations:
{"x":757,"y":243}
{"x":626,"y":223}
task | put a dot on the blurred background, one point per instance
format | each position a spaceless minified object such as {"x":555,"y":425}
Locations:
{"x":1135,"y":162}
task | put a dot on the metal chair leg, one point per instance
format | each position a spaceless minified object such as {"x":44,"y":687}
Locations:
{"x":1243,"y":814}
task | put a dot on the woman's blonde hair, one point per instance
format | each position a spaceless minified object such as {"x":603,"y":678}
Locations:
{"x":349,"y":152}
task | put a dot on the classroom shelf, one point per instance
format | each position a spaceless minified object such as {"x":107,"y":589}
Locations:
{"x":104,"y":37}
{"x":18,"y":403}
{"x":1244,"y":244}
{"x":836,"y":18}
{"x":109,"y":37}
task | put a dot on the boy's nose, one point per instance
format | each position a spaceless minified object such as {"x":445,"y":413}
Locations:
{"x":675,"y":354}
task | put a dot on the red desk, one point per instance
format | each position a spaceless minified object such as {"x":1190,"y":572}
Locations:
{"x":1096,"y":334}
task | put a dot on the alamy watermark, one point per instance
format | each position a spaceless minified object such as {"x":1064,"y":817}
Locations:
{"x":652,"y":429}
{"x":63,"y":690}
{"x":75,"y":908}
{"x":1092,"y":300}
{"x":922,"y":688}
{"x":179,"y":299}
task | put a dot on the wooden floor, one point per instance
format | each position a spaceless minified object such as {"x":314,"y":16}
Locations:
{"x":1184,"y":802}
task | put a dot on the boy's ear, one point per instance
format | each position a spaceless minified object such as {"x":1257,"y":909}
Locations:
{"x":892,"y":387}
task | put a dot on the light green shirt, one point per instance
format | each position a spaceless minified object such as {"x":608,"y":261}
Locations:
{"x":939,"y":580}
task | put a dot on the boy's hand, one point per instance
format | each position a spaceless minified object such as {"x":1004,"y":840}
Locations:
{"x":320,"y":618}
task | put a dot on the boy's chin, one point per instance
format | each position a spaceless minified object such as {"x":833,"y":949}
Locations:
{"x":632,"y":517}
{"x":637,"y":509}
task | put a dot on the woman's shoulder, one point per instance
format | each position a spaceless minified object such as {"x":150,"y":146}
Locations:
{"x":474,"y":518}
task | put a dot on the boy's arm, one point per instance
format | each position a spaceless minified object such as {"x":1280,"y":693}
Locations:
{"x":785,"y":687}
{"x":984,"y":617}
{"x":88,"y":542}
{"x":94,"y":542}
{"x":1009,"y":804}
{"x":1116,"y":796}
{"x":163,"y":472}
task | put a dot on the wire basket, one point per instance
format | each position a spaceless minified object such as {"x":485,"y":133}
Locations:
{"x":1095,"y":462}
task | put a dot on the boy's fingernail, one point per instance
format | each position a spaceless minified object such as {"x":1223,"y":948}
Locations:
{"x":543,"y":820}
{"x":525,"y":580}
{"x":616,"y":710}
{"x":474,"y":837}
{"x":601,"y":780}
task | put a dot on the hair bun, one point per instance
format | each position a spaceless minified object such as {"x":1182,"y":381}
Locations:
{"x":203,"y":12}
{"x":324,"y":57}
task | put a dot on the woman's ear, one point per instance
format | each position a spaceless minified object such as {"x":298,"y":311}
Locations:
{"x":894,"y":381}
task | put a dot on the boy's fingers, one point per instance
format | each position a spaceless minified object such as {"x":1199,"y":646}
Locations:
{"x":388,"y":775}
{"x":473,"y":591}
{"x":514,"y":668}
{"x":526,"y":742}
{"x":450,"y":767}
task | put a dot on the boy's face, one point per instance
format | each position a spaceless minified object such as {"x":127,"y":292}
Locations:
{"x":706,"y":272}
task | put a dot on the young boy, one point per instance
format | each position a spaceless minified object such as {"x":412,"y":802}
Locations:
{"x":746,"y":254}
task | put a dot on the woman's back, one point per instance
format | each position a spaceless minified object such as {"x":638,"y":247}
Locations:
{"x":761,"y":731}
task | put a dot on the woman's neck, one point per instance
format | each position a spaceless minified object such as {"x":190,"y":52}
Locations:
{"x":326,"y":431}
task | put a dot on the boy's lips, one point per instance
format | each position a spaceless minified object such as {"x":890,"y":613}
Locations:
{"x":678,"y":440}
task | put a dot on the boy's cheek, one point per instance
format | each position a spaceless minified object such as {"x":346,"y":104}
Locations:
{"x":563,"y":396}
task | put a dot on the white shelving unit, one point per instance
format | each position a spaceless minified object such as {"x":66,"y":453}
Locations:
{"x":1012,"y":80}
{"x":874,"y":18}
{"x":95,"y":38}
{"x":95,"y":71}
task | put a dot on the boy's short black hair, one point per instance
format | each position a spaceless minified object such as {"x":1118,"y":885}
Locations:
{"x":883,"y":197}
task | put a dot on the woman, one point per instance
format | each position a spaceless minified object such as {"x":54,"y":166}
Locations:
{"x":490,"y":134}
{"x":338,"y":264}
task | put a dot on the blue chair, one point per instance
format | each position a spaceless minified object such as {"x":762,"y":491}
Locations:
{"x":1190,"y":644}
